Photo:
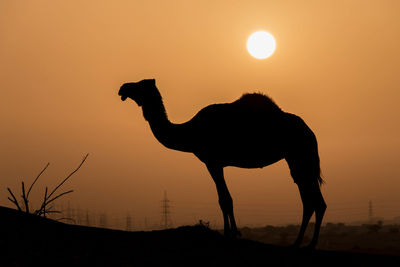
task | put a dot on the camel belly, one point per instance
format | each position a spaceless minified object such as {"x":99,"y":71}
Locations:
{"x":250,"y":163}
{"x":248,"y":157}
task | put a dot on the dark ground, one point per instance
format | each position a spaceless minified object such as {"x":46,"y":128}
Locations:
{"x":27,"y":240}
{"x":370,"y":238}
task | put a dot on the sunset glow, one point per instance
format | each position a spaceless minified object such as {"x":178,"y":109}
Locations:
{"x":334,"y":65}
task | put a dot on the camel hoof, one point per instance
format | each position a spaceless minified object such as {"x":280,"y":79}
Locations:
{"x":227,"y":233}
{"x":233,"y":234}
{"x":293,"y":247}
{"x":236,"y":234}
{"x":309,"y":247}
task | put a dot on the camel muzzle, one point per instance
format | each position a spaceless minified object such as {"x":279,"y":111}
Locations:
{"x":123,"y":97}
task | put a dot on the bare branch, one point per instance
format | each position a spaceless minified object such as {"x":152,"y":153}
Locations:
{"x":37,"y":177}
{"x":47,"y":197}
{"x":14,"y":200}
{"x":43,"y":206}
{"x":49,"y":208}
{"x":74,"y":171}
{"x":44,"y":201}
{"x":43,"y":210}
{"x":24,"y":198}
{"x":15,"y":203}
{"x":53,"y":211}
{"x":60,"y":195}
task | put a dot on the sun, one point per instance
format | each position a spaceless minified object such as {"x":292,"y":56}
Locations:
{"x":261,"y":44}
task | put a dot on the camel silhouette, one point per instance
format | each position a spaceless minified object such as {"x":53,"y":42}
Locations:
{"x":251,"y":132}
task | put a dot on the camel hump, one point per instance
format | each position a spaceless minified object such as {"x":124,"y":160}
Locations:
{"x":258,"y":101}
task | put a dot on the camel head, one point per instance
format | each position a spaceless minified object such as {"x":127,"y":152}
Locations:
{"x":138,"y":91}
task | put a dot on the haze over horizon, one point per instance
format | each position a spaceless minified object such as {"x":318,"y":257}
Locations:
{"x":336,"y":65}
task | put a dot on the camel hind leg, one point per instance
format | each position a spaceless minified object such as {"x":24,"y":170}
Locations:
{"x":312,"y":202}
{"x":320,"y":207}
{"x":308,"y":211}
{"x":305,"y":170}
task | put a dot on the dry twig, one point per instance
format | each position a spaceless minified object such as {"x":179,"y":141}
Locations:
{"x":14,"y":200}
{"x":74,"y":171}
{"x":26,"y":202}
{"x":37,"y":177}
{"x":47,"y":199}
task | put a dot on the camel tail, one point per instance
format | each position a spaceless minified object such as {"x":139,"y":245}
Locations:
{"x":319,"y":176}
{"x":317,"y":163}
{"x":320,"y":180}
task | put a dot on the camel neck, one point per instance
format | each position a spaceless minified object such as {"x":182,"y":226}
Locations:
{"x":169,"y":134}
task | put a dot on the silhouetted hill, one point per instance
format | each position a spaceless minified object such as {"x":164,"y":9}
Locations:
{"x":27,"y":240}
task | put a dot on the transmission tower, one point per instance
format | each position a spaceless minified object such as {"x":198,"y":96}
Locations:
{"x":370,"y":211}
{"x":87,"y":219}
{"x":165,"y":212}
{"x":103,"y":220}
{"x":128,"y":223}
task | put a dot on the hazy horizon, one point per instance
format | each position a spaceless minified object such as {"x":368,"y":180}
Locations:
{"x":336,"y":65}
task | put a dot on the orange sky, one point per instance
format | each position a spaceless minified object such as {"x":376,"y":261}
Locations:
{"x":336,"y":65}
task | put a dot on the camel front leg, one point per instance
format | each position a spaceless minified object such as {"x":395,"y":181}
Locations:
{"x":225,"y":201}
